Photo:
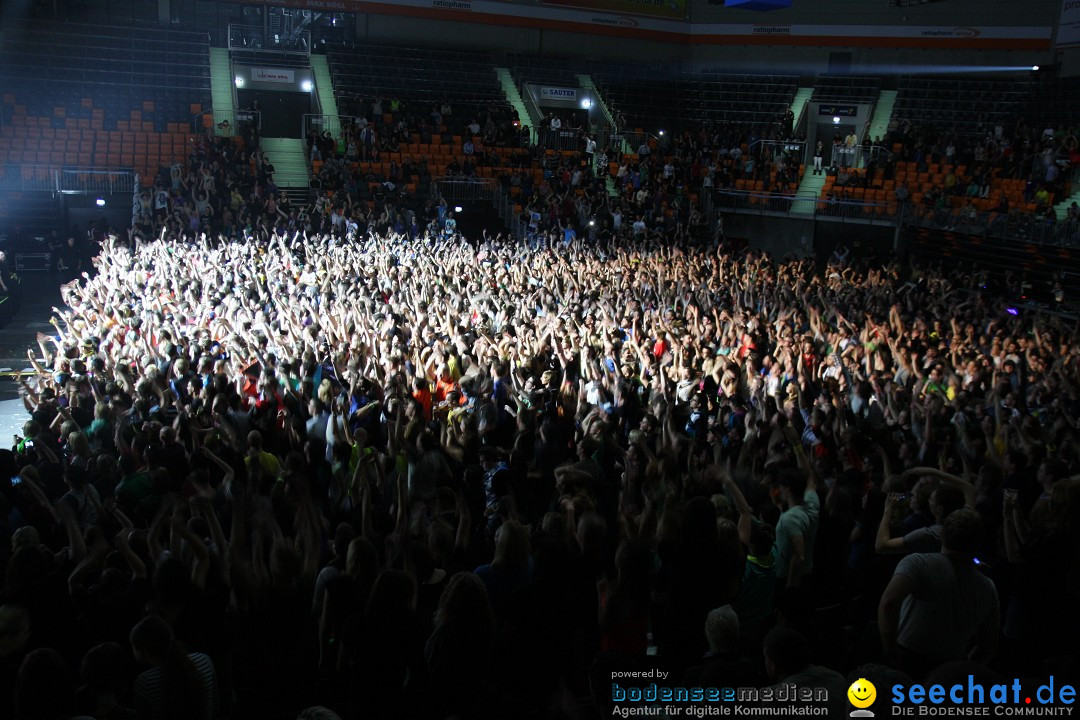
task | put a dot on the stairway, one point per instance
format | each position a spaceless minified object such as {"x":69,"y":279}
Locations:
{"x":879,"y":123}
{"x":587,"y":83}
{"x":1062,"y":208}
{"x":510,"y":90}
{"x":800,"y":101}
{"x":290,"y":165}
{"x":324,"y":85}
{"x":222,"y":91}
{"x":810,"y":186}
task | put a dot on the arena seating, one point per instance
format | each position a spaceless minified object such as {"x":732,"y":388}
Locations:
{"x":653,"y":98}
{"x":101,"y":96}
{"x":550,"y":71}
{"x":1055,"y":101}
{"x":846,"y":88}
{"x":966,"y":106}
{"x":414,"y":75}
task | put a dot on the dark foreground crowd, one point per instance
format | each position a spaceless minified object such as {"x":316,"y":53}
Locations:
{"x":433,"y":478}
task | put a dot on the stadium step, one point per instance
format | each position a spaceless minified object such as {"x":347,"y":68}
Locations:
{"x":800,"y":101}
{"x":513,"y":97}
{"x":811,"y":184}
{"x":1062,"y":208}
{"x":289,"y":161}
{"x":324,"y":85}
{"x":883,"y":109}
{"x":222,"y":91}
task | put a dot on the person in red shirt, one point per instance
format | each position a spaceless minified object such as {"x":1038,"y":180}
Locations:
{"x":422,"y":394}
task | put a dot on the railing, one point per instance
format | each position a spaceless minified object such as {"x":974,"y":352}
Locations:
{"x":760,"y":203}
{"x":456,"y":190}
{"x":768,"y":150}
{"x":91,"y":180}
{"x":1035,"y":164}
{"x":802,"y":204}
{"x":24,"y":178}
{"x":1014,"y":226}
{"x":504,"y":206}
{"x":335,"y":124}
{"x":562,"y":139}
{"x":136,"y":206}
{"x":660,"y":143}
{"x":462,"y":189}
{"x":859,"y":156}
{"x":536,"y":115}
{"x":254,"y":39}
{"x":70,"y":180}
{"x":227,"y":122}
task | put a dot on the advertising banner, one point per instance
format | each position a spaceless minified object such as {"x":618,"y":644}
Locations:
{"x":554,"y":93}
{"x":671,"y":9}
{"x":273,"y":75}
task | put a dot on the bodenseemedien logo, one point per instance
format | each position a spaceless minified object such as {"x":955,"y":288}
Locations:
{"x":862,"y":695}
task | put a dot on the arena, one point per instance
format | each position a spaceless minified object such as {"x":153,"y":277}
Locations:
{"x":456,"y":359}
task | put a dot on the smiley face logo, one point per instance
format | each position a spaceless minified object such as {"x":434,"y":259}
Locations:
{"x":862,"y":693}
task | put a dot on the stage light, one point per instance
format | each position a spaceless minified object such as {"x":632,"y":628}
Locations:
{"x":306,"y":86}
{"x":239,"y":81}
{"x":457,"y":208}
{"x":592,"y":223}
{"x":661,"y":133}
{"x":586,"y":103}
{"x":836,"y":120}
{"x":1034,"y":68}
{"x":100,"y":202}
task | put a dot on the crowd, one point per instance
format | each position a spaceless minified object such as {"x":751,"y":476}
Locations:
{"x":437,"y":478}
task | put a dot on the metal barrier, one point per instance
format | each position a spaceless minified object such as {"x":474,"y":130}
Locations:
{"x":803,"y":204}
{"x":89,"y":180}
{"x":135,"y":204}
{"x":485,"y":190}
{"x":858,"y":156}
{"x":334,"y":124}
{"x":69,"y":180}
{"x":228,"y":122}
{"x":505,"y":207}
{"x":24,"y":178}
{"x":562,"y":139}
{"x":770,"y":150}
{"x":634,"y":139}
{"x":249,"y":38}
{"x":1016,"y":226}
{"x":760,"y":203}
{"x":462,"y":189}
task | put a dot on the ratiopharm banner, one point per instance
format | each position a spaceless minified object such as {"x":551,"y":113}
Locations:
{"x":1069,"y":25}
{"x":667,"y":22}
{"x":673,"y":9}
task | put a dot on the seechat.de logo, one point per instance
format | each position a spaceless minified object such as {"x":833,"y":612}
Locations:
{"x":1052,"y":698}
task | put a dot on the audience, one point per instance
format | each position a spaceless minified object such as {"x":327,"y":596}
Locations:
{"x":281,"y":459}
